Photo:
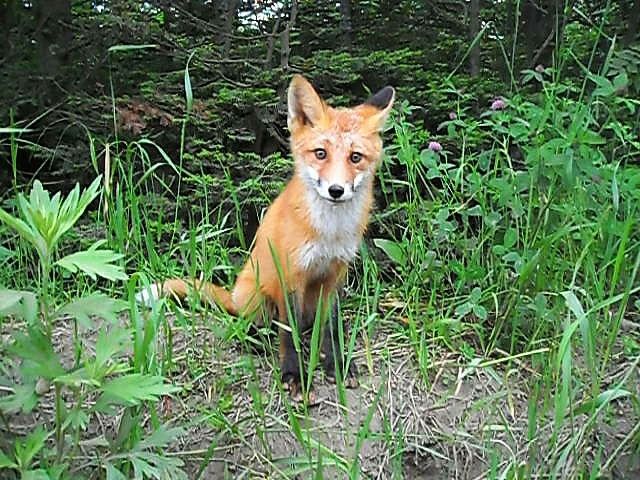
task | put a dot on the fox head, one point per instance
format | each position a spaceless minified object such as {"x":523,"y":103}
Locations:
{"x":336,"y":150}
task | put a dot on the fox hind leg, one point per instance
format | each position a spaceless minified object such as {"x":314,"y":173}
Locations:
{"x":334,"y":362}
{"x":292,"y":367}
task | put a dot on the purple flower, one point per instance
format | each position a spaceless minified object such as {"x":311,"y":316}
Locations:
{"x":452,"y":115}
{"x":435,"y":147}
{"x":498,"y":104}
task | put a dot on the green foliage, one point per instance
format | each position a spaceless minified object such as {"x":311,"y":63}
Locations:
{"x":46,"y":219}
{"x":526,"y":224}
{"x":507,"y":249}
{"x":95,"y":382}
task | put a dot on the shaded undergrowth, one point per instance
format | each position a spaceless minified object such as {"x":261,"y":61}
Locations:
{"x":499,"y":284}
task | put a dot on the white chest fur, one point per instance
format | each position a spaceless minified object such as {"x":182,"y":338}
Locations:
{"x":338,"y":230}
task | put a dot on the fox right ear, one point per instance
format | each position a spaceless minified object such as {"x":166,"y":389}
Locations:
{"x":305,"y":106}
{"x":382,"y":99}
{"x":382,"y":103}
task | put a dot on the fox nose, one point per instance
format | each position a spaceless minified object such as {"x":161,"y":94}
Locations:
{"x":336,"y":191}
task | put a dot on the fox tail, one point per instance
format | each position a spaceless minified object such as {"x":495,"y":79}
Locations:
{"x":179,"y":288}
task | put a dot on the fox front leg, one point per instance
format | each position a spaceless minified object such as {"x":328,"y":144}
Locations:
{"x":334,"y":357}
{"x":291,"y":364}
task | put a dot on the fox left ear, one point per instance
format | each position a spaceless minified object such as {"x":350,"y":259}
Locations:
{"x":383,"y":102}
{"x":305,"y":106}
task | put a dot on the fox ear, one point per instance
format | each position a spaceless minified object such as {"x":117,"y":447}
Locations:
{"x":305,"y":106}
{"x":383,"y":103}
{"x":382,"y":99}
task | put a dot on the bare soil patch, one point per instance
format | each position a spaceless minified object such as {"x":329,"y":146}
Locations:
{"x":458,"y":422}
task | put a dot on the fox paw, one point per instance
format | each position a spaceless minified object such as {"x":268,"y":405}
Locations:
{"x":350,"y":380}
{"x":297,"y":393}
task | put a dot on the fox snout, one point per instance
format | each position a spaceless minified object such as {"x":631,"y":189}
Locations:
{"x":336,"y":191}
{"x":332,"y":189}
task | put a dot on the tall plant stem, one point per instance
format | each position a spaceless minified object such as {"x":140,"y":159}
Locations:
{"x":59,"y":422}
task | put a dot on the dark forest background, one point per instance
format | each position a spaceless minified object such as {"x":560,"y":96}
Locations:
{"x":67,"y":67}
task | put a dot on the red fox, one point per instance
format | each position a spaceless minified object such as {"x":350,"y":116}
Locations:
{"x":310,"y":232}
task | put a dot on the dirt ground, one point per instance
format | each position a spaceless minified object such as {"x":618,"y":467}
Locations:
{"x":457,"y":423}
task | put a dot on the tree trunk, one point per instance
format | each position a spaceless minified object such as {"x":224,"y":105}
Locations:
{"x":510,"y":63}
{"x":8,"y":16}
{"x":474,"y":31}
{"x":231,"y":14}
{"x":286,"y":37}
{"x":632,"y":25}
{"x":345,"y":24}
{"x":543,"y":27}
{"x":53,"y":38}
{"x":271,"y":42}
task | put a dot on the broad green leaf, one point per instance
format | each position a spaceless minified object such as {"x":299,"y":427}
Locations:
{"x":65,"y":215}
{"x":37,"y":352}
{"x":510,"y":238}
{"x":27,"y":450}
{"x":136,"y":388}
{"x":38,"y":474}
{"x":19,"y":303}
{"x":109,"y":344}
{"x":40,"y":211}
{"x":475,"y":295}
{"x":6,"y":462}
{"x":463,"y":309}
{"x":96,"y":304}
{"x":602,"y":399}
{"x":144,"y":469}
{"x":589,"y":137}
{"x":476,"y":210}
{"x":604,"y":86}
{"x":95,"y":263}
{"x":620,"y":81}
{"x":77,"y":377}
{"x":9,"y":298}
{"x":26,"y":232}
{"x":161,"y":437}
{"x":23,"y":399}
{"x":73,"y":208}
{"x":166,"y":467}
{"x":125,"y":48}
{"x":393,"y":250}
{"x":480,"y":312}
{"x":113,"y":473}
{"x":46,"y":218}
{"x":78,"y":418}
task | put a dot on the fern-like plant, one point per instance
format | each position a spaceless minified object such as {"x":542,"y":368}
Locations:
{"x":99,"y":381}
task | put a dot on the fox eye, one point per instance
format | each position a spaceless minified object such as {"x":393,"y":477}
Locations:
{"x":320,"y":153}
{"x":355,"y":157}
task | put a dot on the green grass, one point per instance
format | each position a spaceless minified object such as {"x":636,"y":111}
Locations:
{"x":492,"y":314}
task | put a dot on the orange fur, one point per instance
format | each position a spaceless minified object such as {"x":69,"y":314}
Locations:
{"x":311,"y":234}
